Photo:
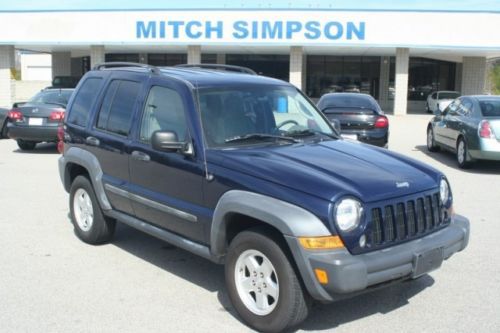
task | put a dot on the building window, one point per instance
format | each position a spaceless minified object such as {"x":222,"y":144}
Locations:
{"x":209,"y":58}
{"x":122,"y":57}
{"x":277,"y":66}
{"x":428,"y":75}
{"x":167,"y":59}
{"x":342,"y":74}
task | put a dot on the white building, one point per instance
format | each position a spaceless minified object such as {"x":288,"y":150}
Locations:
{"x":397,"y":51}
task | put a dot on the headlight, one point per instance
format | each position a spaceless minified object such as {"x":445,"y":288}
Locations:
{"x":444,"y":191}
{"x":348,"y":214}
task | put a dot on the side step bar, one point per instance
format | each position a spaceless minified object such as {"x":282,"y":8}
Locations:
{"x":169,"y":237}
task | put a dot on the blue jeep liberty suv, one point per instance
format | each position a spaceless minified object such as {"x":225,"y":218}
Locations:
{"x":245,"y":171}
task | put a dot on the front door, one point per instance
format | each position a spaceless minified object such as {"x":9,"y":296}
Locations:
{"x":166,"y":187}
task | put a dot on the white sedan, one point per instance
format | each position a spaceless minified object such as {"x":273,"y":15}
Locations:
{"x":437,"y":97}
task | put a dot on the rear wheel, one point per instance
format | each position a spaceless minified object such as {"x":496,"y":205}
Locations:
{"x":91,"y":226}
{"x":463,"y":160}
{"x":431,"y":143}
{"x":3,"y":133}
{"x":262,"y":284}
{"x":26,"y":145}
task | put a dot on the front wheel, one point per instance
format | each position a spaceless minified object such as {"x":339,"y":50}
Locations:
{"x":462,"y":154}
{"x":262,"y":284}
{"x":431,"y":143}
{"x":91,"y":226}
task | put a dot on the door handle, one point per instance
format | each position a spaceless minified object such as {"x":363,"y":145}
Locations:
{"x":92,"y":141}
{"x":140,"y":156}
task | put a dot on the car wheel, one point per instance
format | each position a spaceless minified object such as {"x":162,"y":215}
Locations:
{"x":427,"y":108}
{"x":3,"y":133}
{"x":431,"y":143}
{"x":262,"y":284}
{"x":26,"y":145}
{"x":462,"y":152}
{"x":90,"y":225}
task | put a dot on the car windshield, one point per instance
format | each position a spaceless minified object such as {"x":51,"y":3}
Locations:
{"x":58,"y":96}
{"x":448,"y":95}
{"x":256,"y":114}
{"x":330,"y":104}
{"x":490,"y":107}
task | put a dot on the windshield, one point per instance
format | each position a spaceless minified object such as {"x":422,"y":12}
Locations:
{"x":60,"y":97}
{"x":232,"y":116}
{"x":448,"y":95}
{"x":490,"y":107}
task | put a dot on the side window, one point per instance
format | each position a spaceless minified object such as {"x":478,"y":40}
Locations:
{"x":163,"y":111}
{"x":452,"y":109}
{"x":434,"y":96}
{"x":84,"y":100}
{"x":466,"y":108}
{"x":117,"y":107}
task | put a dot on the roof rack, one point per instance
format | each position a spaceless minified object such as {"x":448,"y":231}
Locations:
{"x":105,"y":65}
{"x":227,"y":68}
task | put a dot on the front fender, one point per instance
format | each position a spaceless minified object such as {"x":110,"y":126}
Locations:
{"x":289,"y":219}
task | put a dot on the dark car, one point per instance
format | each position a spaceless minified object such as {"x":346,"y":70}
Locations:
{"x":38,"y":119}
{"x":360,"y":117}
{"x":3,"y":123}
{"x":469,"y":127}
{"x":243,"y":170}
{"x":65,"y":81}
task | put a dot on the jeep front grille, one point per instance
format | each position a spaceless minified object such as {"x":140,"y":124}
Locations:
{"x":406,"y":220}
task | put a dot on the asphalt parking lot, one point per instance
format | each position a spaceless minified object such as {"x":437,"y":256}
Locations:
{"x":52,"y":282}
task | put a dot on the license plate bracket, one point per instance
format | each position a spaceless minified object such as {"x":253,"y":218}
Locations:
{"x":427,"y":261}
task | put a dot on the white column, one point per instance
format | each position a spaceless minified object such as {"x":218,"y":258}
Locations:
{"x":473,"y":75}
{"x":383,"y":91}
{"x":7,"y":62}
{"x":97,"y":55}
{"x":401,"y":88}
{"x":61,"y":64}
{"x":296,"y":66}
{"x":221,"y":58}
{"x":194,"y":54}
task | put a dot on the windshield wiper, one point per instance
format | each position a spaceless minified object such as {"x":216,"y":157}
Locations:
{"x":260,"y":136}
{"x":310,"y":132}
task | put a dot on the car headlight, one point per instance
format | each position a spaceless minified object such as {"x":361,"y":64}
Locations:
{"x":444,"y":191}
{"x":348,"y":214}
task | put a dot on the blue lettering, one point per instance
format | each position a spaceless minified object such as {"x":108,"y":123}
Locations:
{"x":145,"y":32}
{"x":272,"y":31}
{"x":313,"y":31}
{"x":292,"y":27}
{"x":358,"y":31}
{"x":328,"y":30}
{"x":175,"y":27}
{"x":241,"y":29}
{"x":189,"y":29}
{"x":209,"y":29}
{"x":162,"y":29}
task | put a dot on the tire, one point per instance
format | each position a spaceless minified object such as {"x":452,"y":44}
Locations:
{"x":427,"y":108}
{"x":462,"y":154}
{"x":252,"y":255}
{"x":431,"y":143}
{"x":26,"y":145}
{"x":3,"y":133}
{"x":90,"y":225}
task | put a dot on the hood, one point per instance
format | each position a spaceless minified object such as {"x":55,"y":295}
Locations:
{"x":332,"y":169}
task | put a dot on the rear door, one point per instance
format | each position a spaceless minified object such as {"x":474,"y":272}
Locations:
{"x":166,"y":187}
{"x":109,"y":136}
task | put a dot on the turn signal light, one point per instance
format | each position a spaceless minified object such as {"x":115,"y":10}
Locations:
{"x":382,"y":122}
{"x":321,"y":243}
{"x":321,"y":275}
{"x":15,"y":114}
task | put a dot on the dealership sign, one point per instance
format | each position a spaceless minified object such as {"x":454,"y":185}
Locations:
{"x":253,"y":27}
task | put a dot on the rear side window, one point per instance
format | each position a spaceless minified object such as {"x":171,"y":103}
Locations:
{"x":85,"y":98}
{"x":490,"y":107}
{"x":118,"y":107}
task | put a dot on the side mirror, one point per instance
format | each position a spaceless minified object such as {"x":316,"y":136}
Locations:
{"x":166,"y":141}
{"x":336,"y":124}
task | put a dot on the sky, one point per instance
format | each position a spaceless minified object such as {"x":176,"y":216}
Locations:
{"x":432,"y":5}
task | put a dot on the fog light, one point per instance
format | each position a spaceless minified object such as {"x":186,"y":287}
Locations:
{"x":362,"y":241}
{"x":321,"y":275}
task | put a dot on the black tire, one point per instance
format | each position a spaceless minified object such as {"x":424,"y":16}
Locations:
{"x":3,"y":133}
{"x":427,"y":108}
{"x":292,"y":305}
{"x":26,"y":145}
{"x":431,"y":143}
{"x":463,"y":161}
{"x":101,"y":228}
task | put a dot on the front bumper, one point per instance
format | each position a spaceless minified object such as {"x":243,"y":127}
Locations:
{"x":349,"y":275}
{"x":32,"y":133}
